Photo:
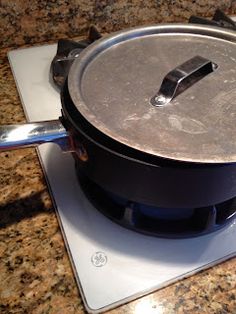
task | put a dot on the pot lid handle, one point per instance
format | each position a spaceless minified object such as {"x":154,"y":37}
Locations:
{"x":181,"y":78}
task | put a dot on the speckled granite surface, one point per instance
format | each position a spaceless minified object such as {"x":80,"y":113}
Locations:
{"x":24,"y":21}
{"x":35,"y":273}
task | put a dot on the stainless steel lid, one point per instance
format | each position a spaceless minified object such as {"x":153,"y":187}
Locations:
{"x":167,"y":90}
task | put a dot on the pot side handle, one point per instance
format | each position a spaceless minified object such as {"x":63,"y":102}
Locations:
{"x":34,"y":134}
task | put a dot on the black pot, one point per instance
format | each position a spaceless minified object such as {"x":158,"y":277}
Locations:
{"x":167,"y":179}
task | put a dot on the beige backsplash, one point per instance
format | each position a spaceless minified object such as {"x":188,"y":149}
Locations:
{"x":24,"y":21}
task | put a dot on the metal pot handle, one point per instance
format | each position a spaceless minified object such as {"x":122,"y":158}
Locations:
{"x":181,"y":78}
{"x":34,"y":134}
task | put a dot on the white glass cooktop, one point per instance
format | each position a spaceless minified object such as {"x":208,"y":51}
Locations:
{"x":112,"y":265}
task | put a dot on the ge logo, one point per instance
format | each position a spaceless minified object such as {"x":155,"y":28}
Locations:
{"x":99,"y":259}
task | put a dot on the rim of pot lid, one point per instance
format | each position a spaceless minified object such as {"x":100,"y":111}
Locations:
{"x":166,"y":90}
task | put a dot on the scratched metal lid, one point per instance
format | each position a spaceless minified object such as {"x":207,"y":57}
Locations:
{"x":167,"y":90}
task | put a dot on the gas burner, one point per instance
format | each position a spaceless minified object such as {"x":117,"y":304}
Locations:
{"x":157,"y":221}
{"x":219,"y":19}
{"x":67,"y":51}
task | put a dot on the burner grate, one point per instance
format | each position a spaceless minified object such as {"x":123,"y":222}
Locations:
{"x":219,"y":19}
{"x":67,"y":51}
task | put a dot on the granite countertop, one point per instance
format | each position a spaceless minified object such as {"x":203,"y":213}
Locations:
{"x":35,"y":272}
{"x":39,"y":20}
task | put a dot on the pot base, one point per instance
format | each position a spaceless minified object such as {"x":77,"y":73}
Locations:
{"x":156,"y":221}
